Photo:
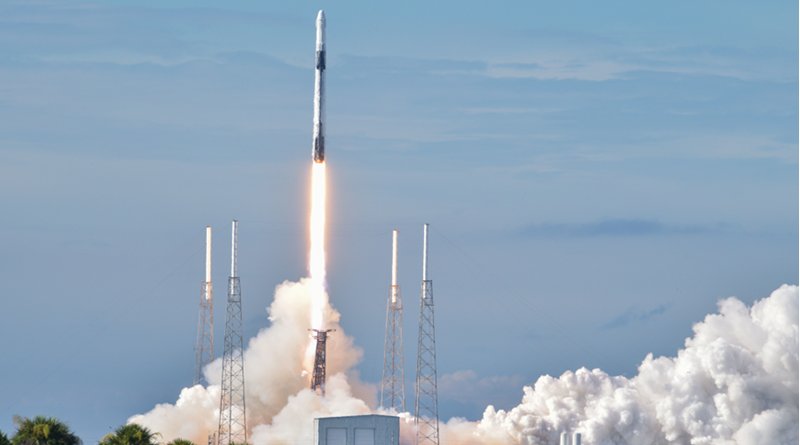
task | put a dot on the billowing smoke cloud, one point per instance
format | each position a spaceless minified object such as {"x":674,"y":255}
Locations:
{"x":735,"y":382}
{"x":280,"y":407}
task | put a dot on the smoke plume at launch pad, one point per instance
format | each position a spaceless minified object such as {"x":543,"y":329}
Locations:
{"x":735,"y":382}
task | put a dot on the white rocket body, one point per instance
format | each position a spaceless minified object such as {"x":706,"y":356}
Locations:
{"x":318,"y":144}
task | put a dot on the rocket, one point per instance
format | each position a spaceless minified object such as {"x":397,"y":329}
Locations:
{"x":318,"y":148}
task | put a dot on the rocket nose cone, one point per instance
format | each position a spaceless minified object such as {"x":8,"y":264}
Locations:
{"x":321,"y":17}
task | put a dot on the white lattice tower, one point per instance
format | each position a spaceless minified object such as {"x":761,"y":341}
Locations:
{"x":232,"y":415}
{"x":204,"y":345}
{"x":426,"y":403}
{"x":393,"y":378}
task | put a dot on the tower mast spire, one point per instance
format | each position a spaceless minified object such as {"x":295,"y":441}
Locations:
{"x":204,"y":346}
{"x":393,"y":379}
{"x":426,"y":404}
{"x":232,"y":416}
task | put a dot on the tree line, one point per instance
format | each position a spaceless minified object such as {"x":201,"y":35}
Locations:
{"x":42,"y":430}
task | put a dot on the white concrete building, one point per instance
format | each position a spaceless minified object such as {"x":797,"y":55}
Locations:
{"x":371,"y":429}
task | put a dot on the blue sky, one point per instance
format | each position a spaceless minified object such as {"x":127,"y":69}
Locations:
{"x":596,"y":175}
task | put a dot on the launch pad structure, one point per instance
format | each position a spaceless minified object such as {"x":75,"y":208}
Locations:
{"x":393,"y":377}
{"x":318,"y":377}
{"x":232,"y":415}
{"x":426,"y":400}
{"x":204,"y":345}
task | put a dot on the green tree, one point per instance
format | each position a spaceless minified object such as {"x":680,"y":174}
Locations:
{"x":4,"y":439}
{"x":131,"y":434}
{"x":181,"y":442}
{"x":43,"y":431}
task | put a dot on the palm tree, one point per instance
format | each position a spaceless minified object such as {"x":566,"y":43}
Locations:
{"x":178,"y":442}
{"x":43,"y":431}
{"x":131,"y":434}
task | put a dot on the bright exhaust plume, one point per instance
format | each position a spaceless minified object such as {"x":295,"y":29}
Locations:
{"x":316,"y":255}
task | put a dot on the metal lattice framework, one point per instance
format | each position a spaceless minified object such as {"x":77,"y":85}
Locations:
{"x":393,"y":378}
{"x":204,"y":345}
{"x":232,"y":415}
{"x":426,"y":403}
{"x":318,"y":376}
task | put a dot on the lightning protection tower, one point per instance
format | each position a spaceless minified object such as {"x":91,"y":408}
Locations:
{"x":232,"y":424}
{"x":392,"y":382}
{"x":318,"y":377}
{"x":204,"y":347}
{"x":426,"y":404}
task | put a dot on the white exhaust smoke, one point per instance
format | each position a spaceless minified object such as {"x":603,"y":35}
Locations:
{"x":280,"y":405}
{"x":735,"y":382}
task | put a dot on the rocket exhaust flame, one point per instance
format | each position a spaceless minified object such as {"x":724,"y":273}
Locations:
{"x":316,"y":256}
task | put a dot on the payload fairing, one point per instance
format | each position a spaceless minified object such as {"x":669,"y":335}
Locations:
{"x":318,"y":149}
